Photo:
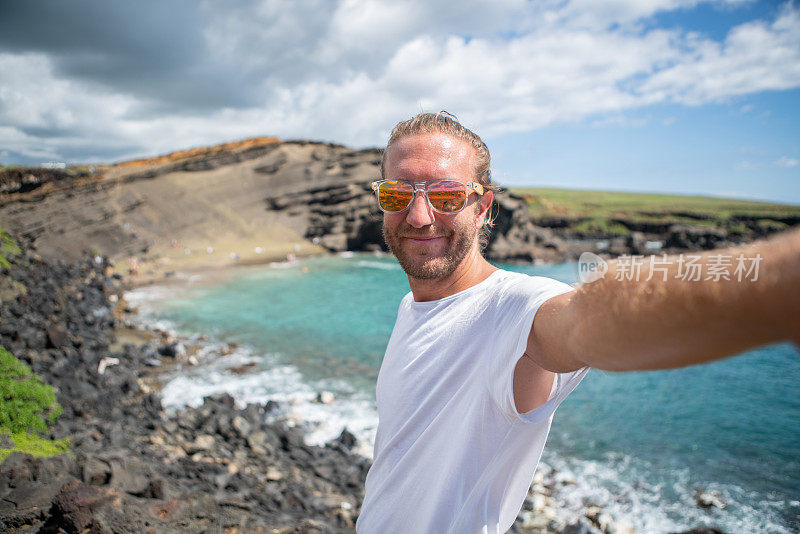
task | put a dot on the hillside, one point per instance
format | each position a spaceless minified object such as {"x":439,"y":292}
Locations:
{"x":169,"y":210}
{"x":262,"y":199}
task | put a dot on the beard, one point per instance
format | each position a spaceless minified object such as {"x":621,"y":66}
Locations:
{"x":428,"y":266}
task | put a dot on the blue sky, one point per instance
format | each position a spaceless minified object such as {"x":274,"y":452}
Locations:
{"x":748,"y":147}
{"x":681,"y":96}
{"x":714,"y":19}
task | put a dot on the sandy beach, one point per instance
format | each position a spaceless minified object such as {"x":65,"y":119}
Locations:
{"x":210,"y":261}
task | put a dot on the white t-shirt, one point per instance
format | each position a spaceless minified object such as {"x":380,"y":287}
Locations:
{"x":452,"y":454}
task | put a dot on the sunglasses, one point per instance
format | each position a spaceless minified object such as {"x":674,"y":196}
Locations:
{"x":444,"y":196}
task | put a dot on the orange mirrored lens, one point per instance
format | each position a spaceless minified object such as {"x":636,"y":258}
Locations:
{"x":395,"y":196}
{"x":447,"y":196}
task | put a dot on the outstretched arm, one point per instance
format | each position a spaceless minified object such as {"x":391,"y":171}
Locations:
{"x":624,"y":322}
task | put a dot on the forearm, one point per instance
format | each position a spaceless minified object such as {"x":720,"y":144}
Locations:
{"x":625,"y":322}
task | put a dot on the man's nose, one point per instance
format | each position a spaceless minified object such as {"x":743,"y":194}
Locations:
{"x":419,"y":212}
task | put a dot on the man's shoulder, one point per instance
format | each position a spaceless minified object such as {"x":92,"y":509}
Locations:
{"x":406,"y":301}
{"x":525,"y":284}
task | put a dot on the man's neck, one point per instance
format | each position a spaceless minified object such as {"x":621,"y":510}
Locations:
{"x":472,"y":270}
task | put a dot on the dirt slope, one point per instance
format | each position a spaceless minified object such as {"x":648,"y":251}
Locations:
{"x":168,"y":211}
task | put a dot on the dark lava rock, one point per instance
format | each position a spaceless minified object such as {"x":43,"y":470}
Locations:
{"x":135,"y":468}
{"x":56,"y":336}
{"x":581,"y":526}
{"x":702,"y":530}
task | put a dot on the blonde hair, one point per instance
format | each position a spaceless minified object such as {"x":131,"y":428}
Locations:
{"x":444,"y":122}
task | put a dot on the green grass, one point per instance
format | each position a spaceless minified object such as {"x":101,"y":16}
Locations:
{"x":9,"y":289}
{"x":32,"y":444}
{"x":599,"y":225}
{"x":8,"y":248}
{"x":27,"y":408}
{"x":607,"y":212}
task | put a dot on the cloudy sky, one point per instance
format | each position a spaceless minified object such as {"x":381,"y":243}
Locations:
{"x":686,"y":96}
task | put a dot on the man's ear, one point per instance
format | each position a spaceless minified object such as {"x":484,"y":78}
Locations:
{"x":483,"y":209}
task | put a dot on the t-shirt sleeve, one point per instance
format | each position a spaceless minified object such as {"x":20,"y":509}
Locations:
{"x":516,"y":307}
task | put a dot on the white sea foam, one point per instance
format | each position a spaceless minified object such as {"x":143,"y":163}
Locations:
{"x":623,"y":486}
{"x":288,"y":264}
{"x":143,"y":298}
{"x":283,"y":384}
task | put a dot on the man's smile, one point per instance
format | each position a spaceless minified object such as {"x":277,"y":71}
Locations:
{"x":423,"y":240}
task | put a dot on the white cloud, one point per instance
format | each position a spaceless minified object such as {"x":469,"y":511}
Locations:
{"x":48,"y":117}
{"x":754,"y":57}
{"x":787,"y":162}
{"x":347,"y":71}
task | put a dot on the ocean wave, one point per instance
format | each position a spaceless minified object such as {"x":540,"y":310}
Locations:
{"x":283,"y":384}
{"x":653,"y":502}
{"x":144,"y":298}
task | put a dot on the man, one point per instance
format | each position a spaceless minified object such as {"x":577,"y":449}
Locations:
{"x":470,"y":381}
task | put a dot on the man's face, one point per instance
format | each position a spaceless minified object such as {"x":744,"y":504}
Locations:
{"x":430,"y":245}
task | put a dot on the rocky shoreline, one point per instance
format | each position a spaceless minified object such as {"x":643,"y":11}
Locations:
{"x":135,"y":467}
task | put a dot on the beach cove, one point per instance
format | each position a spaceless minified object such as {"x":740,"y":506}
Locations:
{"x":141,"y":460}
{"x":648,"y":453}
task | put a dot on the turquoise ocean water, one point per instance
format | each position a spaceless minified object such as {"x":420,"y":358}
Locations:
{"x":639,"y":444}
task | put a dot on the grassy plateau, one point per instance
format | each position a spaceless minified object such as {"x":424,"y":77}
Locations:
{"x":619,"y":213}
